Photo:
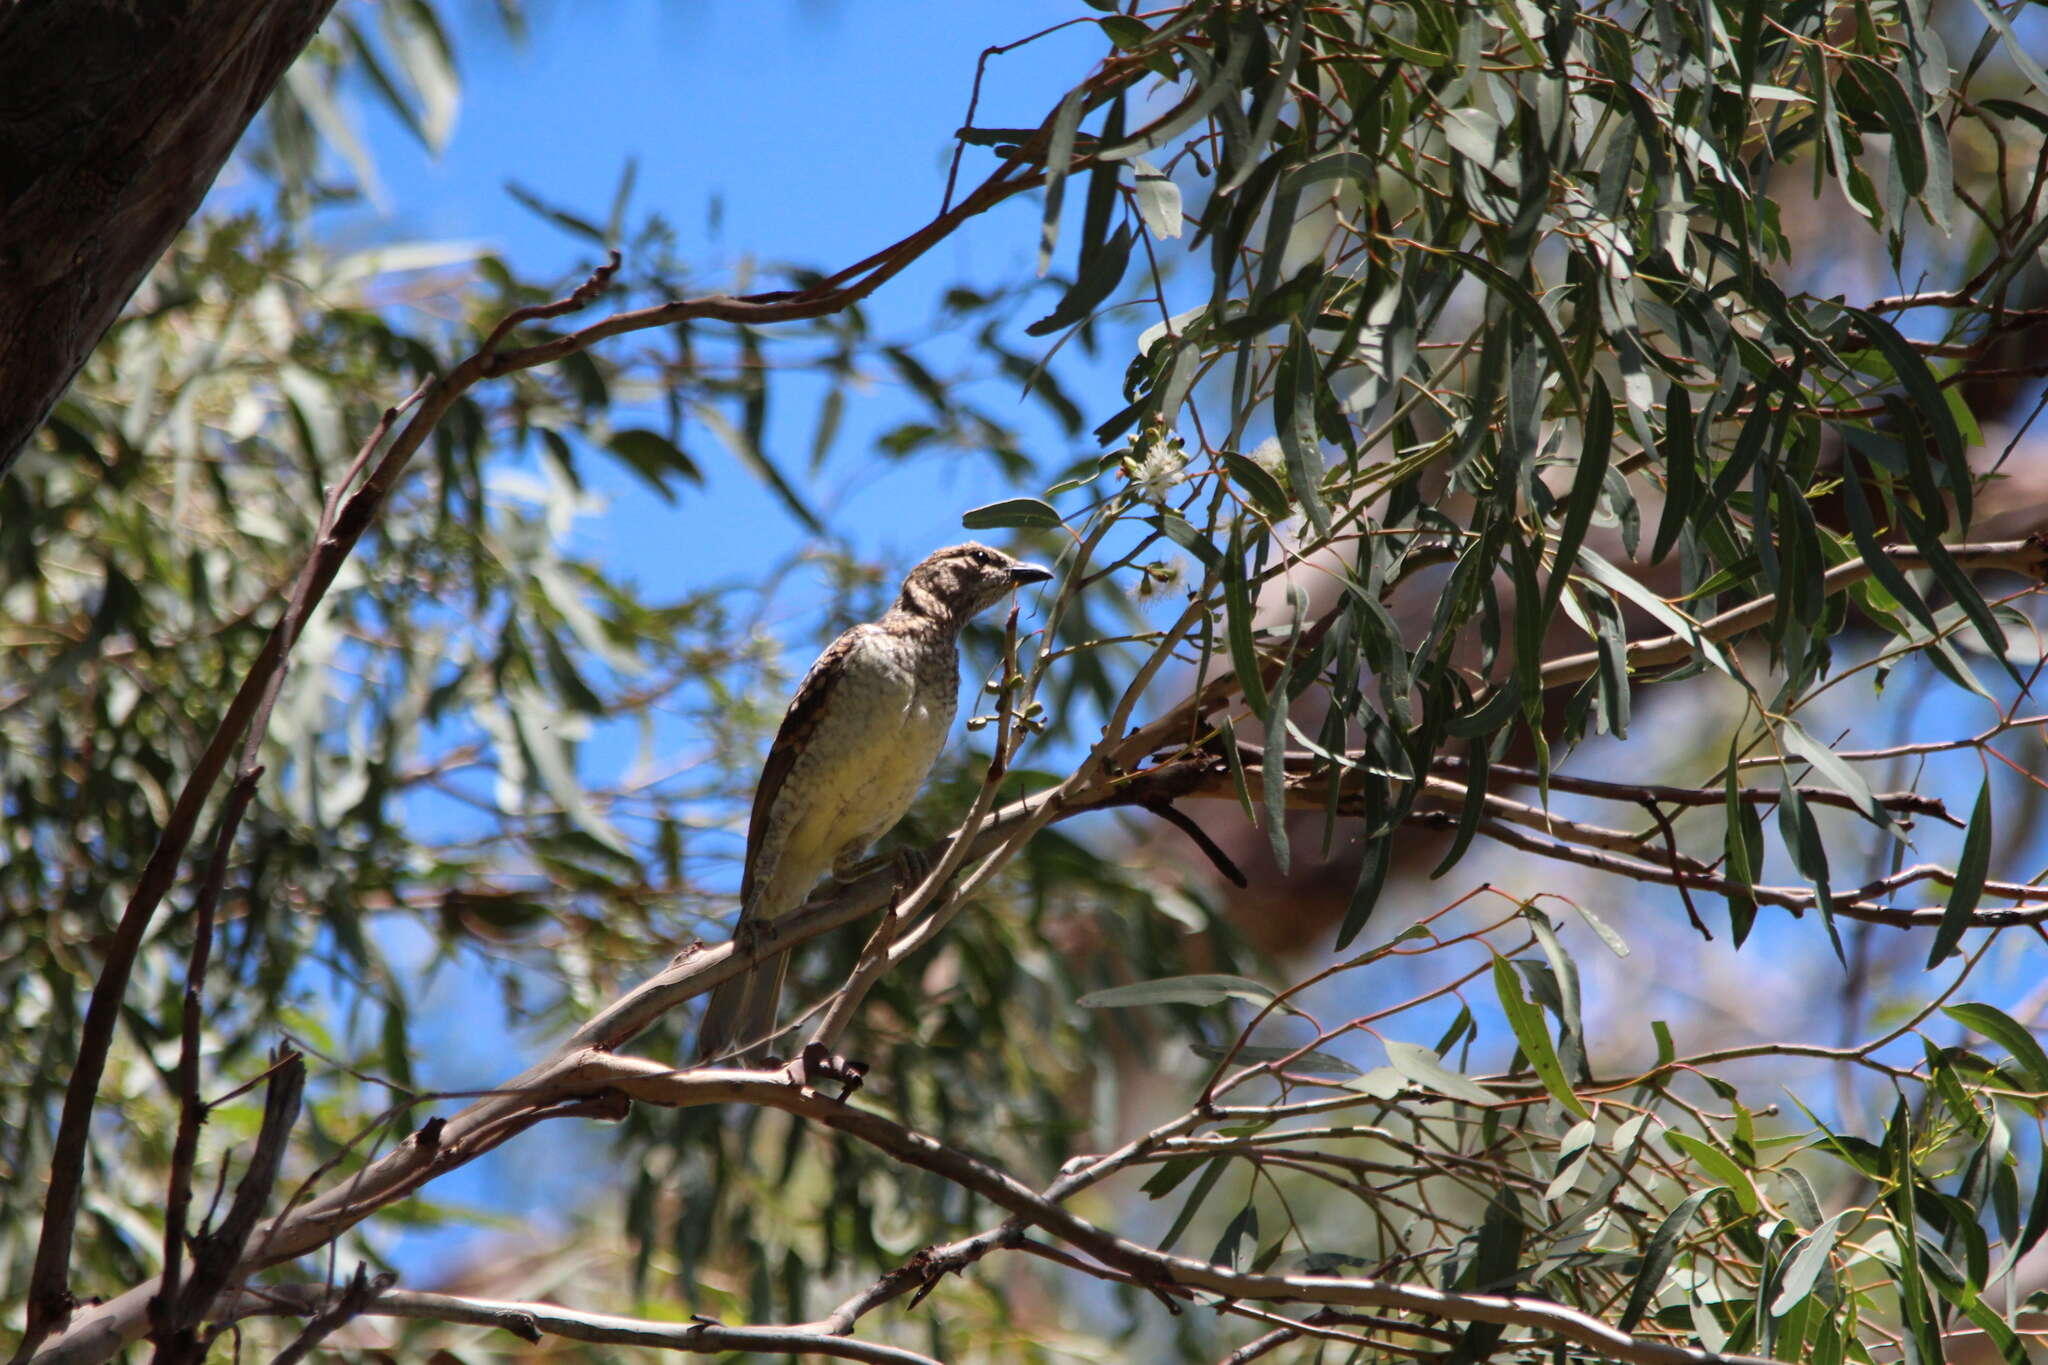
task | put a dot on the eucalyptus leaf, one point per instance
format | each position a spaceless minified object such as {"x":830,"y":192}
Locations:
{"x":1426,"y":1069}
{"x":1200,"y":989}
{"x":1012,"y":513}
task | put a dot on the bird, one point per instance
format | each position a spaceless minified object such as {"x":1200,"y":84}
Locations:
{"x":860,"y":736}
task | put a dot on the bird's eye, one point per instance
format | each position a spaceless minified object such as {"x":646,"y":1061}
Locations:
{"x":984,"y":557}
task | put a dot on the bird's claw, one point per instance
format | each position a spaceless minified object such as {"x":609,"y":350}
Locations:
{"x":817,"y":1063}
{"x":913,"y":865}
{"x":749,"y":935}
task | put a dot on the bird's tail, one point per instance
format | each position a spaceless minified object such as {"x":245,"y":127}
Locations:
{"x":741,"y":1013}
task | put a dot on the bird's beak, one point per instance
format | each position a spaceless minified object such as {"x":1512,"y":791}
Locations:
{"x":1020,"y":574}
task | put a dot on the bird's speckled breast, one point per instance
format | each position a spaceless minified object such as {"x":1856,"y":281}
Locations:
{"x":892,"y":711}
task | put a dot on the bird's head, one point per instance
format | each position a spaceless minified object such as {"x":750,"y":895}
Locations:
{"x":957,"y":583}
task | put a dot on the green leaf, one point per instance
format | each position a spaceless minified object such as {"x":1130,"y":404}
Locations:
{"x":1294,"y":418}
{"x":1864,"y":532}
{"x":1616,"y":581}
{"x":1682,"y":473}
{"x":1195,"y":1198}
{"x":1356,"y":167}
{"x":1923,"y":1331}
{"x":2016,"y":49}
{"x":1605,"y":932}
{"x":1805,"y":1261}
{"x":1382,"y":1083}
{"x":1526,"y":1019}
{"x":1127,"y":33}
{"x":1012,"y":513}
{"x":1273,"y":767}
{"x":746,"y":447}
{"x":1273,"y":93}
{"x":1181,"y":532}
{"x":912,"y":371}
{"x":1476,"y":134}
{"x":1471,"y":806}
{"x":1839,"y":773}
{"x":1743,"y":847}
{"x":1169,"y":1175}
{"x":1801,"y":835}
{"x":1657,"y":1257}
{"x":1158,"y":200}
{"x":1426,"y":1069}
{"x":1216,"y":84}
{"x":1968,"y":887}
{"x":1237,"y":624}
{"x":1518,"y":297}
{"x":561,"y":218}
{"x":1596,"y":439}
{"x":1201,"y":989}
{"x":2001,"y":1028}
{"x":1928,"y":404}
{"x":1310,"y":1063}
{"x":1100,"y":273}
{"x":1720,"y":1166}
{"x":654,"y":458}
{"x":414,"y":34}
{"x":1264,"y":489}
{"x":1909,"y":153}
{"x":1374,"y":861}
{"x":1059,"y":156}
{"x":1244,"y":1227}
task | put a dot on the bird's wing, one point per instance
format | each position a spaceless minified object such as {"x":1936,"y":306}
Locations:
{"x":798,"y":725}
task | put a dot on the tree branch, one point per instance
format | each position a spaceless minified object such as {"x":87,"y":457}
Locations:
{"x":175,"y":1337}
{"x":656,"y":1084}
{"x":1858,"y":903}
{"x":362,"y":1290}
{"x":1655,"y":794}
{"x":531,"y":1322}
{"x":2027,"y":558}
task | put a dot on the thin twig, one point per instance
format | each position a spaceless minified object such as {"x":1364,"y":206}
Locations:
{"x":217,"y":1252}
{"x":2028,"y":558}
{"x":356,"y":1298}
{"x":165,"y":1322}
{"x":1641,"y":793}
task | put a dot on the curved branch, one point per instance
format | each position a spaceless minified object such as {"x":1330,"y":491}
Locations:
{"x":531,"y":1322}
{"x":656,"y":1084}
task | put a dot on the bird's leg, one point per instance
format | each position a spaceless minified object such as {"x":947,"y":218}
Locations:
{"x":851,"y":867}
{"x":817,"y":1063}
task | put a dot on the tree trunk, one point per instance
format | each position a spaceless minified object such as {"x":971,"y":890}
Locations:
{"x":114,"y":118}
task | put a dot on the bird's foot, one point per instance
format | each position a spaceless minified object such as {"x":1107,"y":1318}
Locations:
{"x":816,"y":1065}
{"x":750,"y":936}
{"x":913,"y":865}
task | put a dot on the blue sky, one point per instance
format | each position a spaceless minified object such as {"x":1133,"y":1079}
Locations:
{"x":820,"y":132}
